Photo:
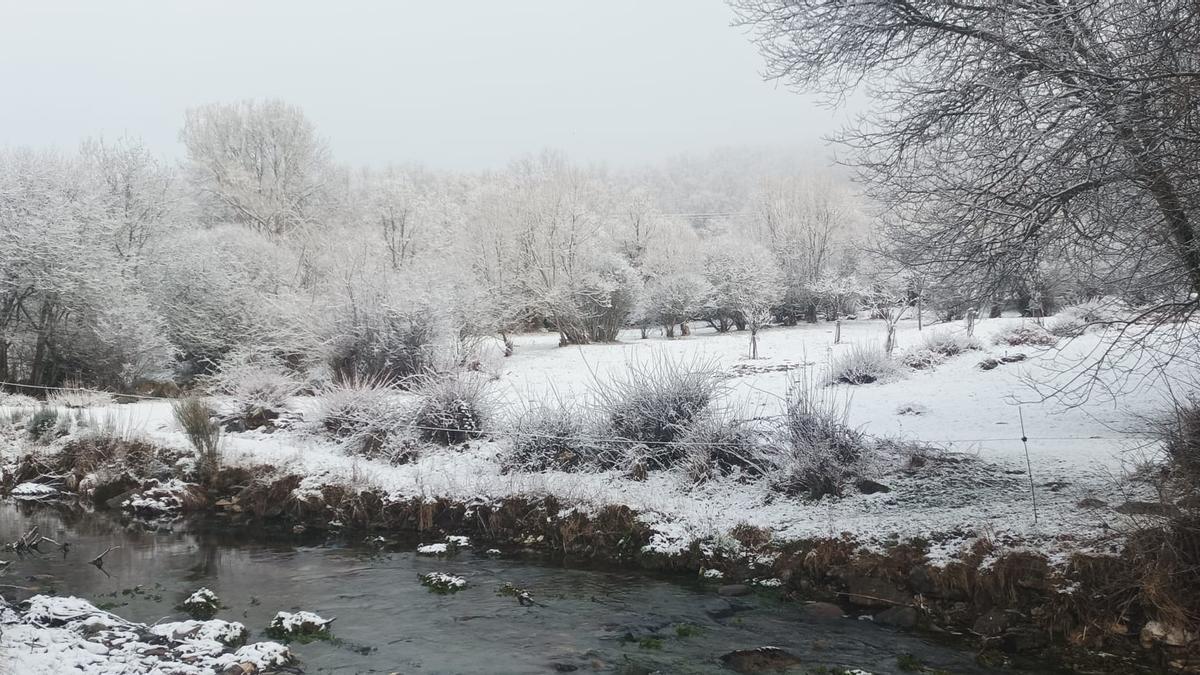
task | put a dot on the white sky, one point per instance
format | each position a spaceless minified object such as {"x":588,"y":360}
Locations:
{"x":464,"y":84}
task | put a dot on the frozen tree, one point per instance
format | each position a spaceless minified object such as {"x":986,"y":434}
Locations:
{"x":1006,"y":134}
{"x":808,"y":222}
{"x":259,"y":164}
{"x":744,"y":280}
{"x":139,"y":193}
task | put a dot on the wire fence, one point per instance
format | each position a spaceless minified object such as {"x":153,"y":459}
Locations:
{"x":502,"y":432}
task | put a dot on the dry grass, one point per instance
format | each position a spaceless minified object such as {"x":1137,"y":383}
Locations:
{"x":198,"y":420}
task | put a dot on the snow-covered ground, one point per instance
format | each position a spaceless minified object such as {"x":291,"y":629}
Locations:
{"x":1075,"y":451}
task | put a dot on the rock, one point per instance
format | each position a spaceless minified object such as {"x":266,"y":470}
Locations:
{"x":1160,"y":631}
{"x":1025,"y":639}
{"x":821,"y":611}
{"x":1013,"y":358}
{"x":1134,"y":508}
{"x":869,"y":592}
{"x":921,"y":581}
{"x":1091,"y":503}
{"x":899,"y":617}
{"x":116,"y":502}
{"x":733,"y":590}
{"x":988,"y":364}
{"x":993,"y":622}
{"x":723,"y":609}
{"x":761,"y":660}
{"x":870,"y":487}
{"x":564,"y":667}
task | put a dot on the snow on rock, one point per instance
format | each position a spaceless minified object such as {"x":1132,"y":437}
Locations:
{"x":226,"y":632}
{"x":164,"y":499}
{"x":433,"y":549}
{"x":203,"y":604}
{"x":33,"y":491}
{"x":69,"y":634}
{"x":298,"y":623}
{"x":440,"y":582}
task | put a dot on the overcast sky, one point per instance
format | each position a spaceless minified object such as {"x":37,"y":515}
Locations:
{"x":466,"y":84}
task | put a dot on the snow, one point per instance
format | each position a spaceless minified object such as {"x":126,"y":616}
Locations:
{"x":299,"y":622}
{"x":433,"y":549}
{"x":68,"y":634}
{"x":216,"y":630}
{"x":33,"y":491}
{"x":1075,"y":451}
{"x":444,"y":581}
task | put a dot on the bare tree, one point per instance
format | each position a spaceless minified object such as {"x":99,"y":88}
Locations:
{"x":1007,"y":133}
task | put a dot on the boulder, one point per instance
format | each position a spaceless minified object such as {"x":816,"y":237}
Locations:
{"x":899,"y":617}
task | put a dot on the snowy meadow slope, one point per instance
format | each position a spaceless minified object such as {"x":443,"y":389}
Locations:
{"x":975,"y":486}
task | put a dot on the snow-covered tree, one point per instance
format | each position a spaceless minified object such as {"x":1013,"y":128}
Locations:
{"x":259,"y":164}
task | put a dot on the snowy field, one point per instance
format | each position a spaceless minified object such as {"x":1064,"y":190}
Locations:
{"x":1075,"y":451}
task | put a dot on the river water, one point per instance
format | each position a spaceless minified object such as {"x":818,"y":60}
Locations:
{"x":588,"y":620}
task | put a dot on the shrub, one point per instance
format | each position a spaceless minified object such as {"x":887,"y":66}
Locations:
{"x":258,"y":384}
{"x":74,"y":395}
{"x":720,"y":445}
{"x":862,"y":364}
{"x":43,"y":425}
{"x":367,"y":417}
{"x":655,"y":401}
{"x":1025,"y":334}
{"x":822,"y":452}
{"x":552,"y":437}
{"x":389,"y":343}
{"x":1075,"y":320}
{"x":921,"y":359}
{"x":17,"y":401}
{"x":1181,"y":442}
{"x":950,"y":344}
{"x":452,"y":409}
{"x":198,"y":420}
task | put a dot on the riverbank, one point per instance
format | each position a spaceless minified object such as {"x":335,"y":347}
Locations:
{"x":950,"y":533}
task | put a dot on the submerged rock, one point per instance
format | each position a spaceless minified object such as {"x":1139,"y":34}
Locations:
{"x":733,"y":590}
{"x":760,"y":660}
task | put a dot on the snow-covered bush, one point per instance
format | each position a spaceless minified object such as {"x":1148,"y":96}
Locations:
{"x":393,"y":341}
{"x":950,"y":344}
{"x":17,"y":401}
{"x":821,"y":451}
{"x":721,"y":444}
{"x":673,"y":299}
{"x":44,"y":425}
{"x":368,"y":418}
{"x":258,"y":385}
{"x":552,"y":436}
{"x":451,"y":409}
{"x":74,"y":395}
{"x":1075,"y":320}
{"x":862,"y":364}
{"x":1025,"y":334}
{"x":921,"y":358}
{"x":655,"y":401}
